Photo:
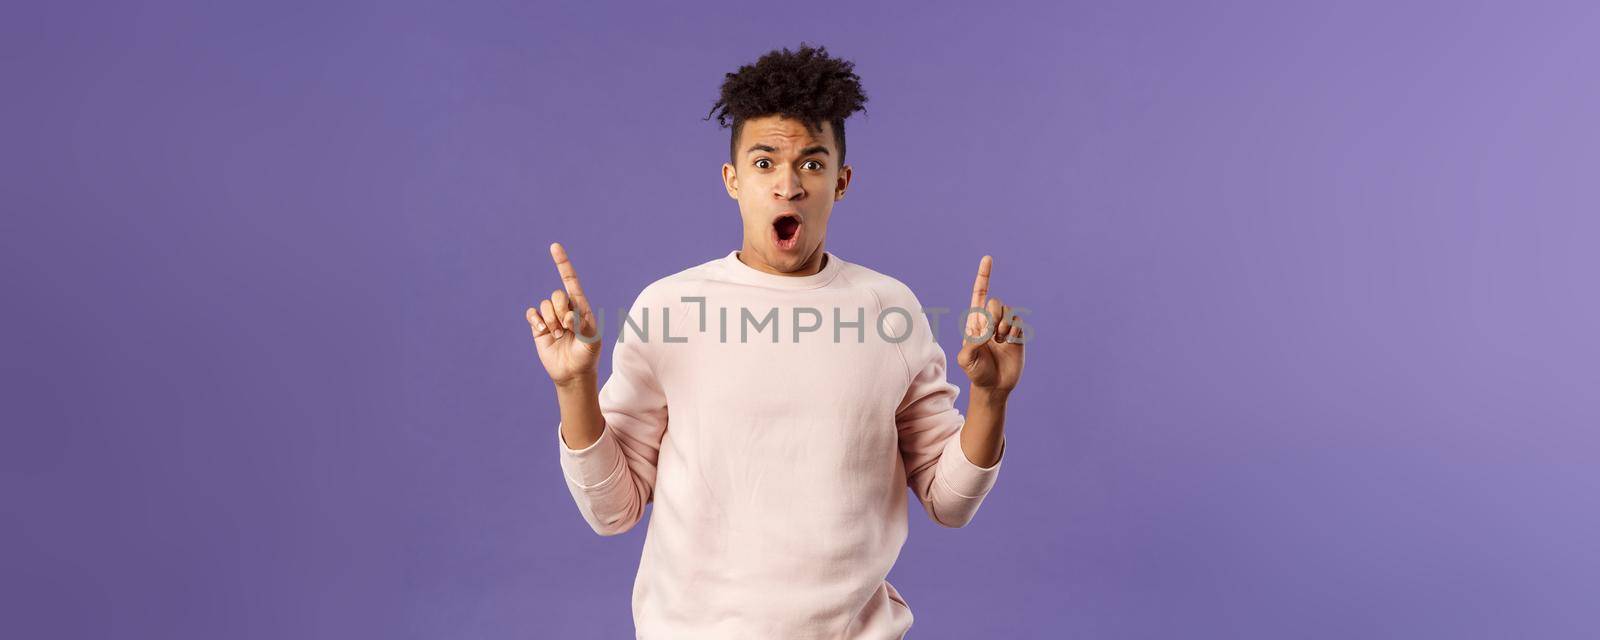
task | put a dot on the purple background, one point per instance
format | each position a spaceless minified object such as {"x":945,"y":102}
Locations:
{"x":1313,"y":286}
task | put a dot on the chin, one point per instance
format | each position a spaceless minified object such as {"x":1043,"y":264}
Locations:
{"x":792,"y":259}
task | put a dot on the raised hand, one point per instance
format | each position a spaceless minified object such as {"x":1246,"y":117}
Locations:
{"x":991,"y":358}
{"x":556,"y":324}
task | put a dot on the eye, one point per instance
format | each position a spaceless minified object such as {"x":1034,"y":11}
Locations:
{"x":762,"y":166}
{"x":819,"y":164}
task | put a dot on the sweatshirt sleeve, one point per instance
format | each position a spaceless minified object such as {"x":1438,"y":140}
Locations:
{"x":949,"y":485}
{"x":613,"y":478}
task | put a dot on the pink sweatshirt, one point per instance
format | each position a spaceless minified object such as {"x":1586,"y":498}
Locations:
{"x":779,"y":481}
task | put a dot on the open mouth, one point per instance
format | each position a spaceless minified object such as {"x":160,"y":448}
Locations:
{"x":786,"y":231}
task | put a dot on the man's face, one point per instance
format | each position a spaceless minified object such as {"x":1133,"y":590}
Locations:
{"x":786,"y":180}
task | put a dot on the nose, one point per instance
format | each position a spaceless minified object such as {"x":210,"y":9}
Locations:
{"x":788,"y":186}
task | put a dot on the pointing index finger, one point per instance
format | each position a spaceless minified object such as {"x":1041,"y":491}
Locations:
{"x":980,"y":295}
{"x":569,"y":277}
{"x":980,"y":287}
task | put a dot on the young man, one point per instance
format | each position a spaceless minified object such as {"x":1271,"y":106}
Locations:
{"x":779,"y":481}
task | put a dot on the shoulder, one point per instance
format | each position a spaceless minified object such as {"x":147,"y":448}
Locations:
{"x":671,"y":288}
{"x":889,"y":290}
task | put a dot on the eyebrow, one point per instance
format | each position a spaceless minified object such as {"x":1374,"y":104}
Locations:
{"x":804,"y":152}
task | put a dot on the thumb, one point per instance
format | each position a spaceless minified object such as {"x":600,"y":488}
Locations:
{"x":586,"y":331}
{"x":968,"y":353}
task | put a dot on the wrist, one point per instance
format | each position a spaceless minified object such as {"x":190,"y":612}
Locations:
{"x":580,"y":382}
{"x":990,"y":396}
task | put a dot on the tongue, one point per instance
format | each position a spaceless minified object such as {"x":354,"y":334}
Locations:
{"x":786,"y":228}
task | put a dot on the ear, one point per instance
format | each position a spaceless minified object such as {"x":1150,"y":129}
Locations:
{"x":842,"y":184}
{"x":730,"y":180}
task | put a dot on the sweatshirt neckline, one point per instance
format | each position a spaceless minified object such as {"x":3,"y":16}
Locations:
{"x":742,"y":272}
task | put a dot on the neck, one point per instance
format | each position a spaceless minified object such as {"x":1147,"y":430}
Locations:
{"x":812,"y":265}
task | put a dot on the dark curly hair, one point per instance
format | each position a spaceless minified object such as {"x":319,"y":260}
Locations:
{"x":806,"y":85}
